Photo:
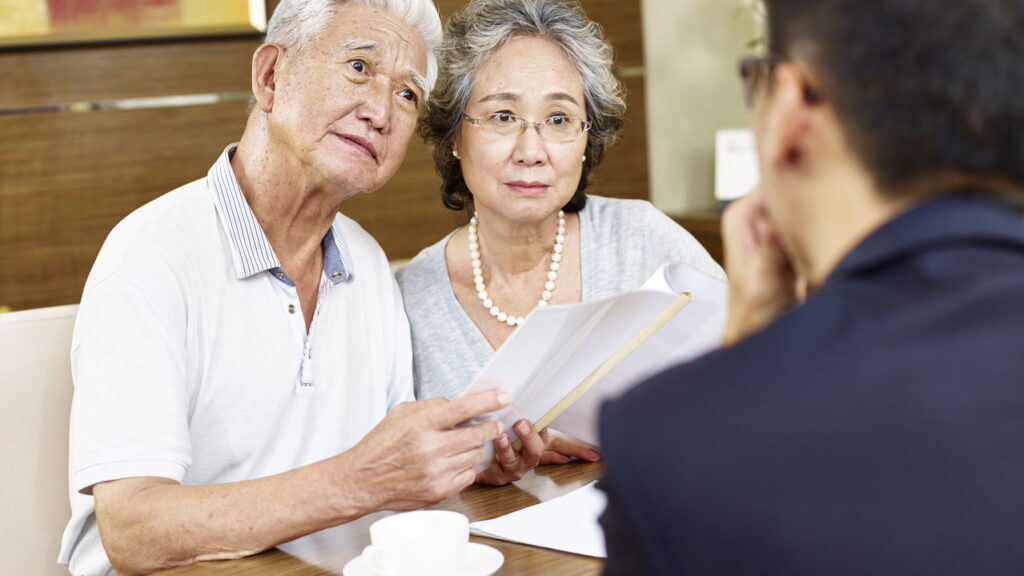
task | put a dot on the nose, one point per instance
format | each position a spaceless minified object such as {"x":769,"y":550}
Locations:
{"x":529,"y":148}
{"x":375,"y":106}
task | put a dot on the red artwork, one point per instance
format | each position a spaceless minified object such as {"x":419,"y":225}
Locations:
{"x":77,"y":15}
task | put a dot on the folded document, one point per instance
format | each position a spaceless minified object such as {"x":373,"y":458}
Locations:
{"x":564,"y":361}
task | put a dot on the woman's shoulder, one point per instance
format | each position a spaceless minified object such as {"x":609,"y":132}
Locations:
{"x":625,"y":216}
{"x":649,"y":235}
{"x":604,"y":207}
{"x":424,"y":269}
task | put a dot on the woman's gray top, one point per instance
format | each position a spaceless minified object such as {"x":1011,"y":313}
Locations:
{"x":622,"y":243}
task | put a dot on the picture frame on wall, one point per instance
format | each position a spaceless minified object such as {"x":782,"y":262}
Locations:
{"x":35,"y":23}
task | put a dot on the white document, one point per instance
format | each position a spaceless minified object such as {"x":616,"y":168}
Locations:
{"x":568,"y":523}
{"x":557,"y":347}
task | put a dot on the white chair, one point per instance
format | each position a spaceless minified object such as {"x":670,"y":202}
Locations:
{"x":35,"y":402}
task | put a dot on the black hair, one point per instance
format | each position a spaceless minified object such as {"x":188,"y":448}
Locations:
{"x":923,"y":88}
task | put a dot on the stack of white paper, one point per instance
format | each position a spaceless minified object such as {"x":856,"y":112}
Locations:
{"x":568,"y":523}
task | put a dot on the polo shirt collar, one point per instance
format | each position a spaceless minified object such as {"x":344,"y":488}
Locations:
{"x":963,"y":217}
{"x":251,"y":251}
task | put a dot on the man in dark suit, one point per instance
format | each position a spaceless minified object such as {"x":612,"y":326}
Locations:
{"x":866,"y":414}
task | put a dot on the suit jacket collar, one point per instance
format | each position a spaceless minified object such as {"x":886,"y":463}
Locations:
{"x":955,"y":219}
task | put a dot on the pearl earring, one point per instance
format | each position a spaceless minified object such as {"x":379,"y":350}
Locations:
{"x":455,"y":153}
{"x":584,"y":158}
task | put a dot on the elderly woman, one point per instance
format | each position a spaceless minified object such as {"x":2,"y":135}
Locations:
{"x":524,"y":107}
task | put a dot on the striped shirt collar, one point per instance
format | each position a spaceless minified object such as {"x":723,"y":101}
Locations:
{"x":250,"y":248}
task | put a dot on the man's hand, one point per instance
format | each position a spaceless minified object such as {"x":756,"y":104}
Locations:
{"x":762,"y":279}
{"x":415,"y":456}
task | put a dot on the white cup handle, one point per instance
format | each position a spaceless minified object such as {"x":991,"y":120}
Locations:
{"x":376,"y":559}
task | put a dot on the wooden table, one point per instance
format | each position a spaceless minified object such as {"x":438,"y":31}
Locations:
{"x":326,"y":552}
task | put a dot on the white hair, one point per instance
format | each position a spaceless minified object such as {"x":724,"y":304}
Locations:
{"x":296,"y":22}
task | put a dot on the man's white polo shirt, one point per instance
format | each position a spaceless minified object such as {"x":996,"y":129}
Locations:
{"x":191,"y":359}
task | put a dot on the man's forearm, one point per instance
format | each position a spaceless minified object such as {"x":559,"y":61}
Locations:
{"x":149,"y":524}
{"x":413,"y":458}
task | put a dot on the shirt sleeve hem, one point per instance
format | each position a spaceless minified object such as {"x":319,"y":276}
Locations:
{"x":88,"y":476}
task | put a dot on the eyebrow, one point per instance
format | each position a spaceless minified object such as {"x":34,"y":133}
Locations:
{"x":510,"y":97}
{"x":360,"y":45}
{"x":419,"y":81}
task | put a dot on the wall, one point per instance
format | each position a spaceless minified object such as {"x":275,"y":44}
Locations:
{"x":66,"y":178}
{"x":690,"y":49}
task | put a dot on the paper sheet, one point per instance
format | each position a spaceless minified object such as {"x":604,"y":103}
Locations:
{"x":559,"y":346}
{"x":696,"y":330}
{"x":568,"y":523}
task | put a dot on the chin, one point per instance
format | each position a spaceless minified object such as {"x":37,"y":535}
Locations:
{"x":534,"y":211}
{"x":359,"y":183}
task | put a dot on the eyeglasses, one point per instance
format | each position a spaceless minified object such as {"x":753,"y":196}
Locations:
{"x":555,"y":128}
{"x":755,"y":69}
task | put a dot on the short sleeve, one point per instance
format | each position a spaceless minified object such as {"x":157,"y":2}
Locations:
{"x":130,"y":411}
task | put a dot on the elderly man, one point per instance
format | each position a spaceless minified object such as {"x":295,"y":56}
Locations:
{"x":867,"y":416}
{"x":240,"y":345}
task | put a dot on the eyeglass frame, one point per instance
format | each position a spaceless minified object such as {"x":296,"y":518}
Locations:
{"x":524,"y":123}
{"x":754,"y":68}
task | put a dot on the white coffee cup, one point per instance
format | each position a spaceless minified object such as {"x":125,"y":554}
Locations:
{"x":421,"y":543}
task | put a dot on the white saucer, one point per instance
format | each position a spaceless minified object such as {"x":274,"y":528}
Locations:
{"x":481,"y":560}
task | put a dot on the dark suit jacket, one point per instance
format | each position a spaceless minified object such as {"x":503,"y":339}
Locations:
{"x":876,"y":429}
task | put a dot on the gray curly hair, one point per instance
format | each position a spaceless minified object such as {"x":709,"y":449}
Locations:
{"x":474,"y":34}
{"x":296,"y":22}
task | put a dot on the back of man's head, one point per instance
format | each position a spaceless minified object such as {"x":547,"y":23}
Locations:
{"x":929,"y":93}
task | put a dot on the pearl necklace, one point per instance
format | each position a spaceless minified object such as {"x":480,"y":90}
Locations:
{"x":478,"y":274}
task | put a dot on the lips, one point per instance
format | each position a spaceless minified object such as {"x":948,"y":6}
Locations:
{"x":525,"y":188}
{"x":360,"y":143}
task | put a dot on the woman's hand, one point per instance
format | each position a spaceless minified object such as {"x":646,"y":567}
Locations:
{"x":509,"y":464}
{"x":537,"y":448}
{"x":562,"y":450}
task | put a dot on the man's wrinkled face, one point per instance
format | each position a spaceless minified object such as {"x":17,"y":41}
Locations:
{"x":347,"y":102}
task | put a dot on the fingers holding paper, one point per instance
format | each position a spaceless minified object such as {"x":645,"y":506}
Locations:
{"x":510,"y":464}
{"x":415,"y":457}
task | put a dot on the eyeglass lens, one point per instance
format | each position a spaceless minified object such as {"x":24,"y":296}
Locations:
{"x":557,"y":128}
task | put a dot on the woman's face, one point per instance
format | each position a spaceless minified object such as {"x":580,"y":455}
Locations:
{"x":523,"y":177}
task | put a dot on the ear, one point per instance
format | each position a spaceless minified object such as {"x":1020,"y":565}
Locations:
{"x":791,"y":120}
{"x":265,"y":62}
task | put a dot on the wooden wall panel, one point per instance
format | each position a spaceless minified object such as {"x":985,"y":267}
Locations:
{"x":67,"y":178}
{"x":87,"y":73}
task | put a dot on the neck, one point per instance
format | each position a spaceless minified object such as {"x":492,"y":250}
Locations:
{"x":294,"y":211}
{"x":512,"y":248}
{"x":839,"y":221}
